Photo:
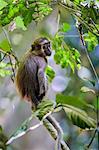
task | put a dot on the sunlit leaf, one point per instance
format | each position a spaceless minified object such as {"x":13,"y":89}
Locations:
{"x":3,"y":69}
{"x":19,"y":23}
{"x":66,"y":27}
{"x":87,"y":89}
{"x":4,"y":45}
{"x":50,"y":73}
{"x":72,"y":100}
{"x":79,"y":117}
{"x":3,"y":4}
{"x":4,"y":73}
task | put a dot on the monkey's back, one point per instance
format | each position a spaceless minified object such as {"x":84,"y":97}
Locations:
{"x":27,"y":78}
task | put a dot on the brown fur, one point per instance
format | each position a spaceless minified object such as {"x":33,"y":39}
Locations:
{"x":28,"y":81}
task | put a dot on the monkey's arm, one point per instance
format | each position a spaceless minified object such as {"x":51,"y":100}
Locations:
{"x":42,"y":82}
{"x":42,"y":79}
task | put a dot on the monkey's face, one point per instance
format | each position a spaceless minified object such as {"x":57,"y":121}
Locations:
{"x":42,"y":46}
{"x":47,"y":48}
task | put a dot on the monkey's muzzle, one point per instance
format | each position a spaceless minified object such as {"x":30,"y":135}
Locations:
{"x":48,"y":52}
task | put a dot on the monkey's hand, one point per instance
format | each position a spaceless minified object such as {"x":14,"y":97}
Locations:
{"x":43,"y":86}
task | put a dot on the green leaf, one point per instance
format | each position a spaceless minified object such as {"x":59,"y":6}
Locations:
{"x":3,"y":70}
{"x":4,"y":45}
{"x":2,"y":65}
{"x":66,"y":27}
{"x":79,"y":117}
{"x":87,"y":89}
{"x":91,"y":41}
{"x":1,"y":12}
{"x":72,"y":100}
{"x":19,"y":23}
{"x":44,"y":108}
{"x":50,"y":73}
{"x":28,"y":17}
{"x":4,"y":73}
{"x":3,"y":4}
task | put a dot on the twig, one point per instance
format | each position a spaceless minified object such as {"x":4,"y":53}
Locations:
{"x":53,"y":132}
{"x":14,"y":137}
{"x":13,"y":75}
{"x":23,"y":133}
{"x":97,"y":78}
{"x":92,"y":138}
{"x":94,"y":24}
{"x":59,"y":141}
{"x":87,"y":54}
{"x":3,"y":58}
{"x":59,"y":131}
{"x":9,"y":54}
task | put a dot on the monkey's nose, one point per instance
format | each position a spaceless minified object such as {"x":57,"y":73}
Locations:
{"x":49,"y":53}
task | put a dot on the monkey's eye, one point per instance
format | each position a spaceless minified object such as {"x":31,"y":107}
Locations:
{"x":46,"y":46}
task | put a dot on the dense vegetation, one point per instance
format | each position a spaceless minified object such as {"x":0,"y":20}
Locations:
{"x":19,"y":14}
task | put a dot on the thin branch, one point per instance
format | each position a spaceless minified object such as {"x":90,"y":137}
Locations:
{"x":88,"y":146}
{"x":75,"y":13}
{"x":97,"y":78}
{"x":8,"y":54}
{"x":59,"y":130}
{"x":94,"y":25}
{"x":59,"y":141}
{"x":53,"y":132}
{"x":3,"y":58}
{"x":87,"y":54}
{"x":70,"y":8}
{"x":11,"y":53}
{"x":14,"y":137}
{"x":23,"y":133}
{"x":12,"y":69}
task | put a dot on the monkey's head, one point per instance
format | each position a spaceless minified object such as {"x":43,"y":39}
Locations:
{"x":42,"y":46}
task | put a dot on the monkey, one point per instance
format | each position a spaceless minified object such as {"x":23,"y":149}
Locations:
{"x":30,"y":79}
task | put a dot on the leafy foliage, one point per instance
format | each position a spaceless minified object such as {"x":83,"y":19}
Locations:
{"x":19,"y":22}
{"x":20,"y":14}
{"x":79,"y":117}
{"x":65,"y":55}
{"x":3,"y":139}
{"x":33,"y":10}
{"x":91,"y":9}
{"x":50,"y":73}
{"x":2,"y":4}
{"x":44,"y":108}
{"x":72,"y":100}
{"x":91,"y":40}
{"x":4,"y":45}
{"x":4,"y":69}
{"x":73,"y":108}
